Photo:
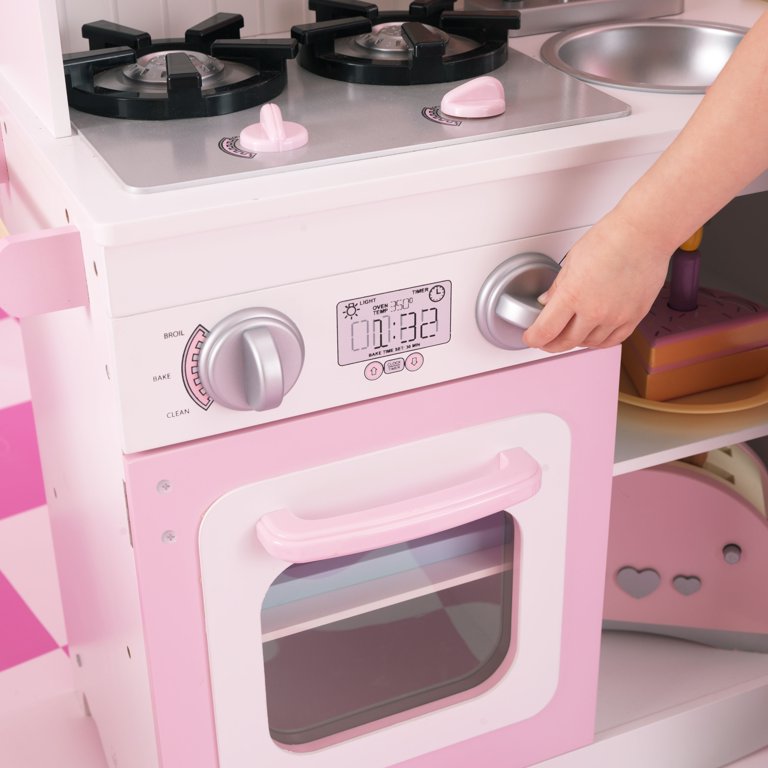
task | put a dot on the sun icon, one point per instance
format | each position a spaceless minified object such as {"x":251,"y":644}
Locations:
{"x":350,"y":310}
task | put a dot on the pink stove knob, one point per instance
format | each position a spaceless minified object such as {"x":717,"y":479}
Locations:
{"x":251,"y":359}
{"x":481,"y":97}
{"x":272,"y":133}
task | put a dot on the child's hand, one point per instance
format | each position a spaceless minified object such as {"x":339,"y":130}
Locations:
{"x":607,"y":284}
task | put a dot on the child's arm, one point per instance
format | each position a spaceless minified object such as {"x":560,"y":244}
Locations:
{"x":614,"y":272}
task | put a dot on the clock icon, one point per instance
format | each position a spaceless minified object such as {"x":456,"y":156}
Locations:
{"x":436,"y":293}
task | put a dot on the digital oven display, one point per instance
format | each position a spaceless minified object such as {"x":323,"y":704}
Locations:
{"x":393,"y":323}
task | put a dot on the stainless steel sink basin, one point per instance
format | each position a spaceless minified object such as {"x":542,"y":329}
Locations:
{"x":663,"y":55}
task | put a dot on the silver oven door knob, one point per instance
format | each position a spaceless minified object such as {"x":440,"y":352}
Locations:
{"x":251,"y":359}
{"x":262,"y":369}
{"x":507,"y":303}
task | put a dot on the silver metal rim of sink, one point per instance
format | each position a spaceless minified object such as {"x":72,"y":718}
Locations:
{"x":551,"y":53}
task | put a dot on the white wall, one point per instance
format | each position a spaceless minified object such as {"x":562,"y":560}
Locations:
{"x":169,"y":18}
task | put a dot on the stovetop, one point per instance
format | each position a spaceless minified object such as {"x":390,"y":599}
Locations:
{"x":345,"y":122}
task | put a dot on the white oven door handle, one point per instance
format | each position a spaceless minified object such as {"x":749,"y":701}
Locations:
{"x":513,"y":478}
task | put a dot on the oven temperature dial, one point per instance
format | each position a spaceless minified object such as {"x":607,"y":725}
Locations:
{"x":251,"y":359}
{"x":507,"y":305}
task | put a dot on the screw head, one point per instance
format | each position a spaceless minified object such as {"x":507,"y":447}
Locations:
{"x":164,"y":486}
{"x":731,"y":553}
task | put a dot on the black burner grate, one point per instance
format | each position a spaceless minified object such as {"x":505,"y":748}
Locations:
{"x":96,"y":82}
{"x":328,"y":46}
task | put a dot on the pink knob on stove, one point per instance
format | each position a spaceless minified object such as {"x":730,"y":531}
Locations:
{"x":481,"y":97}
{"x":272,"y":133}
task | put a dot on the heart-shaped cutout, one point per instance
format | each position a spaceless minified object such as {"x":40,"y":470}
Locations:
{"x":686,"y":585}
{"x":637,"y":583}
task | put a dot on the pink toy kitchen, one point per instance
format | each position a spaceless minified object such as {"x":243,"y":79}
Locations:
{"x":281,"y":485}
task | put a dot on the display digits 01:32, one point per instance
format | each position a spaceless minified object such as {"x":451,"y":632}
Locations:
{"x":393,"y":322}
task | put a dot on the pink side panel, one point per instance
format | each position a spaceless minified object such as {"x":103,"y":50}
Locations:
{"x":21,"y":479}
{"x":42,"y":272}
{"x":3,"y":162}
{"x":580,"y":388}
{"x":3,"y":180}
{"x":83,"y":478}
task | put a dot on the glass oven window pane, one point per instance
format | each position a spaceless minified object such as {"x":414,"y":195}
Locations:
{"x":351,"y":640}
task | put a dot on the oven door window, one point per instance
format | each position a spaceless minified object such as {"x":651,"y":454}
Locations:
{"x":355,"y":639}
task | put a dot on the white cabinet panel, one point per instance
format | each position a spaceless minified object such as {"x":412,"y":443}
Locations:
{"x":182,"y":14}
{"x":74,"y":13}
{"x":169,"y":18}
{"x":280,"y":17}
{"x":30,"y":60}
{"x":146,"y":16}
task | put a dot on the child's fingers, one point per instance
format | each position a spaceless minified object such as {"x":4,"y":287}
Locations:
{"x":549,"y":324}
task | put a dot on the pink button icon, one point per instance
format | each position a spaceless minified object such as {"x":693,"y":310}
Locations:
{"x":373,"y":371}
{"x":414,"y":361}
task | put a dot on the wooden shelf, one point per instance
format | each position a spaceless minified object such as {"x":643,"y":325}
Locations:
{"x":669,"y":703}
{"x":645,"y":438}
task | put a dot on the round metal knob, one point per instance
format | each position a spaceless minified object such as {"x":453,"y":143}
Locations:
{"x":251,"y":359}
{"x":507,"y":303}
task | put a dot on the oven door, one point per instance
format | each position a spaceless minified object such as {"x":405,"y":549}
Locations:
{"x":378,"y":608}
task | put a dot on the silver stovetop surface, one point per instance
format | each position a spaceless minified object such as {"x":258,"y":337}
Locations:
{"x":345,"y":122}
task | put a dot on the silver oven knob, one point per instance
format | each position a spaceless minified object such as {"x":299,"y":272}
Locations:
{"x":507,"y":303}
{"x":251,"y":359}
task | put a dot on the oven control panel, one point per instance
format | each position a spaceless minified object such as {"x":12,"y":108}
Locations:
{"x":264,"y":355}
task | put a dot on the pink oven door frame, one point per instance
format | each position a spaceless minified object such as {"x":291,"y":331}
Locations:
{"x":170,"y":490}
{"x":298,"y":516}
